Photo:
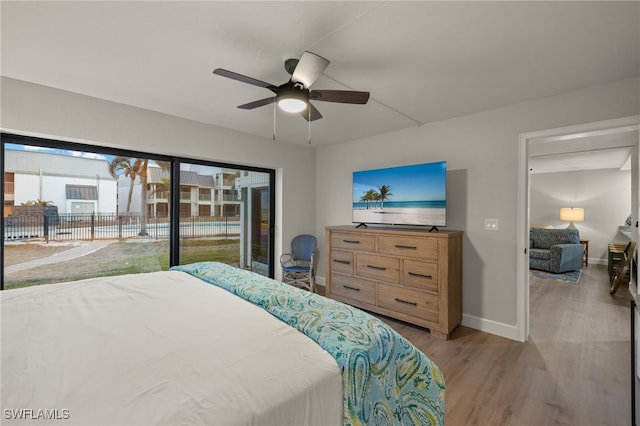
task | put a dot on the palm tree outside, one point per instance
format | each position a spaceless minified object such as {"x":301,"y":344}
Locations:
{"x":128,"y":169}
{"x":143,"y":167}
{"x":133,"y":168}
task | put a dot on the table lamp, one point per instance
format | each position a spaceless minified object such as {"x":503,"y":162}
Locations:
{"x":571,"y":214}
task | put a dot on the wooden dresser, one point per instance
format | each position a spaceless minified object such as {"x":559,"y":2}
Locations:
{"x":411,"y":275}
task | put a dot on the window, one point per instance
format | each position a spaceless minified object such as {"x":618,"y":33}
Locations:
{"x":115,"y":212}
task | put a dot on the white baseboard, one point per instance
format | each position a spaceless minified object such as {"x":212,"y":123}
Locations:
{"x":499,"y":329}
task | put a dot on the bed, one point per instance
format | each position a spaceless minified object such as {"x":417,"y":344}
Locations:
{"x":205,"y":344}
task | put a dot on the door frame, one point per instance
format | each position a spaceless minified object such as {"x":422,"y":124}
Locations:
{"x":624,"y":124}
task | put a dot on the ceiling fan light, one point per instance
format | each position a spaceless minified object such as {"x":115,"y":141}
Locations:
{"x":292,"y":104}
{"x":292,"y":98}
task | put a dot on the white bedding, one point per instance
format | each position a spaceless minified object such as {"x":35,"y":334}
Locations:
{"x":158,"y":348}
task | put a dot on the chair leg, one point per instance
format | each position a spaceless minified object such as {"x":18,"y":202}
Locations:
{"x":300,"y":280}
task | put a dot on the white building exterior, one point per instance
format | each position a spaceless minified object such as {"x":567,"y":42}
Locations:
{"x":73,"y":184}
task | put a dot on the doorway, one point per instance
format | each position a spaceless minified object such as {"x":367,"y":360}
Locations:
{"x":559,"y":140}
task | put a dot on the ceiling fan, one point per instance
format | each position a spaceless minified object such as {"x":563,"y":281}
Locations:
{"x":294,"y":95}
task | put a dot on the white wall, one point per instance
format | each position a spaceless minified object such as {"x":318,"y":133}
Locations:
{"x":42,"y":111}
{"x":481,"y":151}
{"x":29,"y":189}
{"x":604,"y":194}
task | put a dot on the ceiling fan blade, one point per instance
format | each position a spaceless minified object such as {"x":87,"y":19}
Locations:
{"x":259,"y":103}
{"x":309,"y":68}
{"x":342,"y":96}
{"x":243,"y":78}
{"x":315,"y":114}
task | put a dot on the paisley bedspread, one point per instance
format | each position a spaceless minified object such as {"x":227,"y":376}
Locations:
{"x":387,"y":381}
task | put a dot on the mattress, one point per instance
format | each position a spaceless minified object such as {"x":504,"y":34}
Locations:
{"x":158,"y":348}
{"x":386,"y":380}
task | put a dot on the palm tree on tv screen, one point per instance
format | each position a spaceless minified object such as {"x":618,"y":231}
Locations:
{"x":369,"y":196}
{"x":384,"y":194}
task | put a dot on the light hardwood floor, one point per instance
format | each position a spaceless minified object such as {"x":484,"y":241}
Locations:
{"x":574,"y":370}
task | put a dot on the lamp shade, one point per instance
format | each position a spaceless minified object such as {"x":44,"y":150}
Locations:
{"x":571,"y":214}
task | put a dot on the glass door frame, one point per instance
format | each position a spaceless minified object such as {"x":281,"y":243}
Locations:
{"x":174,"y":238}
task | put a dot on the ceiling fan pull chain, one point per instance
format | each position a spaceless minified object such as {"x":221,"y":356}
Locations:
{"x":309,"y":121}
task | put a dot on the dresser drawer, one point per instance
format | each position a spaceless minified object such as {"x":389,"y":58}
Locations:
{"x":342,"y":262}
{"x":422,"y":248}
{"x":421,"y":275}
{"x":378,"y":267}
{"x":410,"y":302}
{"x":352,"y":241}
{"x":353,"y":288}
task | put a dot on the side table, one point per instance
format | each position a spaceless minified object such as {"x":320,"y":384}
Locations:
{"x":615,"y":255}
{"x":585,"y":243}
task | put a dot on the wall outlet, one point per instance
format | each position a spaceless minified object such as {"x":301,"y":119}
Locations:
{"x":491,"y":224}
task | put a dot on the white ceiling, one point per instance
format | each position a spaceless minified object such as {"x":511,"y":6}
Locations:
{"x":611,"y":158}
{"x":603,"y":149}
{"x":421,"y":61}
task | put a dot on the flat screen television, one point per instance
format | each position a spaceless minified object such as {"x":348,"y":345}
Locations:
{"x":405,"y":195}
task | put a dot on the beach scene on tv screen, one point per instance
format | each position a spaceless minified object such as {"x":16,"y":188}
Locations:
{"x":405,"y":195}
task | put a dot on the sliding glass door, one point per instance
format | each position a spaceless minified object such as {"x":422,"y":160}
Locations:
{"x":77,"y":211}
{"x":260,"y":226}
{"x":220,"y":207}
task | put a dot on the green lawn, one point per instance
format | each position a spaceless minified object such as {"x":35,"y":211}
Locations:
{"x":124,"y":258}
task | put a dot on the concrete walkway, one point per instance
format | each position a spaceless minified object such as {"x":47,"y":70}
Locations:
{"x":82,"y":249}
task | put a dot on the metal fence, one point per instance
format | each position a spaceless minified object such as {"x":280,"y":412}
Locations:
{"x":93,"y":226}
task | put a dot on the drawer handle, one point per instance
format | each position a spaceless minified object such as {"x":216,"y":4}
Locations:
{"x":415,"y":274}
{"x":351,"y":241}
{"x":400,"y":246}
{"x":377,"y":268}
{"x":405,"y":302}
{"x":351,"y":288}
{"x":344,"y":262}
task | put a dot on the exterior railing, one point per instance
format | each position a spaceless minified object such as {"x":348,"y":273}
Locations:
{"x":159,"y":195}
{"x":95,"y":226}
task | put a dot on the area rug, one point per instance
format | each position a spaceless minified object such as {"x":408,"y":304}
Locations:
{"x":568,"y":277}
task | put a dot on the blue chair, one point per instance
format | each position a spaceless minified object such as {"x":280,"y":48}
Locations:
{"x":298,"y":268}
